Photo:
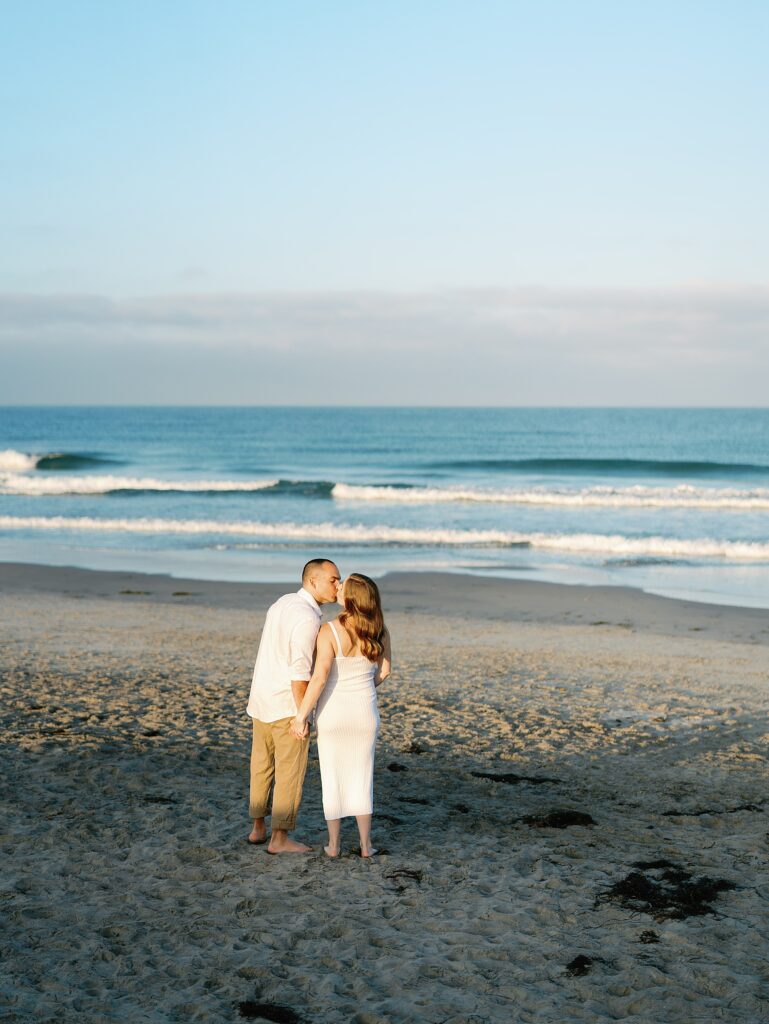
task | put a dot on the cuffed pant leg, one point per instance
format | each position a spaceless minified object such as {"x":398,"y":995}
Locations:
{"x":262,"y":769}
{"x":290,"y":767}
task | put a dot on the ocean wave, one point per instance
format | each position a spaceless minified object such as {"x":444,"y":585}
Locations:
{"x":63,"y":461}
{"x":17,"y":462}
{"x":585,"y":543}
{"x":682,"y":496}
{"x":22,"y":462}
{"x":617,"y":466}
{"x":32,"y":485}
{"x":638,"y":496}
{"x":40,"y":486}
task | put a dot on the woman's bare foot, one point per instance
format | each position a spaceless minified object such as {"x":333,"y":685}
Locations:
{"x":331,"y":851}
{"x":371,"y":852}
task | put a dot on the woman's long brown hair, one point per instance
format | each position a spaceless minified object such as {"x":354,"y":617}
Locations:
{"x":362,"y":616}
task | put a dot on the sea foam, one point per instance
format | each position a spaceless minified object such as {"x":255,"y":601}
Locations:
{"x":683,"y":496}
{"x":586,"y":543}
{"x":639,"y":496}
{"x":17,"y":462}
{"x":51,"y":485}
{"x":23,"y":462}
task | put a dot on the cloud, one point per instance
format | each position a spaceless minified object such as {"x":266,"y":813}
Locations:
{"x":534,"y":345}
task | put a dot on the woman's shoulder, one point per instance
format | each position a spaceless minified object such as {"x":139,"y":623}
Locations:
{"x":331,"y":630}
{"x":325,"y":631}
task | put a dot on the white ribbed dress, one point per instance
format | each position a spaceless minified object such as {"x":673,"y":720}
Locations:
{"x":348,"y":723}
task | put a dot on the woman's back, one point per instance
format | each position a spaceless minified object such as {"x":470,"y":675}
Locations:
{"x":349,"y":673}
{"x":348,"y":722}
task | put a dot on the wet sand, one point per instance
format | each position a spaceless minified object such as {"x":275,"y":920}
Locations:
{"x":130,"y":894}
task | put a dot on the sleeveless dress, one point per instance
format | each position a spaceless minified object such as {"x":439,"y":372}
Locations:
{"x":348,"y":722}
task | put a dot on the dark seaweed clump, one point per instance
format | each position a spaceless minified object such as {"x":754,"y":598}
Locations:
{"x":558,"y":819}
{"x":268,"y":1011}
{"x":667,"y":891}
{"x":512,"y":779}
{"x":579,"y":966}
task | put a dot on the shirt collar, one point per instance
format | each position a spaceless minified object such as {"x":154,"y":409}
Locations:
{"x":311,"y":601}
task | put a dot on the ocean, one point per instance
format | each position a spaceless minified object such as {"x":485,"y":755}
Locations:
{"x":674,"y":501}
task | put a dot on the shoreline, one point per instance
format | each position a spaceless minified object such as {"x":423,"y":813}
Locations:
{"x":452,"y":595}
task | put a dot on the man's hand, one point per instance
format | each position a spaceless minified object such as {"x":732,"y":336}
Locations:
{"x":299,"y":728}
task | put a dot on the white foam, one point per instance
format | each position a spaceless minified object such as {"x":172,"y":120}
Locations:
{"x":586,"y":543}
{"x":59,"y":484}
{"x":14,"y":467}
{"x":17,"y":462}
{"x":683,"y":496}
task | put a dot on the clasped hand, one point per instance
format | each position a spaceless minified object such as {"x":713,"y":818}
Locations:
{"x":299,"y":728}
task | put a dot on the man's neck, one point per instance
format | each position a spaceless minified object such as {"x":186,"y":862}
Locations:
{"x":312,"y":597}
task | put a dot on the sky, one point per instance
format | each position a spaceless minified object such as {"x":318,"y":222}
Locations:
{"x":550,"y":203}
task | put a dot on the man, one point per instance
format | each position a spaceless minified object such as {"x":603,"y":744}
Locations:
{"x":281,"y":674}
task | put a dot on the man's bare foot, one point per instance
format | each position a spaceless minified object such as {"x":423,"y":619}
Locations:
{"x":258,"y":834}
{"x":284,"y":844}
{"x":331,"y":851}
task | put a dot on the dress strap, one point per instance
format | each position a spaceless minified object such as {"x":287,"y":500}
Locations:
{"x":336,"y":638}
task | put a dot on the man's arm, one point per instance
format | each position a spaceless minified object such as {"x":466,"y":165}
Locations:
{"x":298,"y":690}
{"x":301,"y":656}
{"x":324,"y":659}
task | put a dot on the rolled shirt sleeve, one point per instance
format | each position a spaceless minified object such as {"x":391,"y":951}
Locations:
{"x":302,"y":649}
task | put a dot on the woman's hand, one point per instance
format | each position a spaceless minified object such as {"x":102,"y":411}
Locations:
{"x":299,"y":728}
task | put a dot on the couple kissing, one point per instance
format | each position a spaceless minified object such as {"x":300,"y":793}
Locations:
{"x":334,"y":670}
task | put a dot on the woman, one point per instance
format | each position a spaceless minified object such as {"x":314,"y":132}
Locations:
{"x":352,"y":658}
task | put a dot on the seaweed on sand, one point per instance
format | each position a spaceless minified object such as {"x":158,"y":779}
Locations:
{"x":579,"y":966}
{"x":666,"y":891}
{"x":268,"y":1011}
{"x":512,"y":779}
{"x":558,"y":819}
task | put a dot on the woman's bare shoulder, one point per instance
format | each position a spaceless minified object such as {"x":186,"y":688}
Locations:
{"x":324,"y":633}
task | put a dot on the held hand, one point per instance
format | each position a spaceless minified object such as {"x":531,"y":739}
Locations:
{"x":299,"y":728}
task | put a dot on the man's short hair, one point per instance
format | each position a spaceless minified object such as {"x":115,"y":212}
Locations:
{"x":312,"y":565}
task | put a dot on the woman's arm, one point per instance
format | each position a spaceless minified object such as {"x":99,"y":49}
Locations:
{"x":385,"y":662}
{"x":324,"y":657}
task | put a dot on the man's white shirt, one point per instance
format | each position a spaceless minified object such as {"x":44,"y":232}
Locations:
{"x":286,"y":652}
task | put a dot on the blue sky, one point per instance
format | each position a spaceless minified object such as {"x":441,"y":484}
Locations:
{"x":330,"y":152}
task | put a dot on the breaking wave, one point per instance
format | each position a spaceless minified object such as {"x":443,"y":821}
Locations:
{"x":584,"y":543}
{"x":17,"y":462}
{"x":32,"y":485}
{"x":682,"y":496}
{"x":22,"y":462}
{"x":37,"y":485}
{"x":639,"y":496}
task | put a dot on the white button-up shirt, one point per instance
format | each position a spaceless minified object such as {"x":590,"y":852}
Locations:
{"x":286,"y":652}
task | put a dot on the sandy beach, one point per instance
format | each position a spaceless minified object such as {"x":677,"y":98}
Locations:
{"x":130,"y":894}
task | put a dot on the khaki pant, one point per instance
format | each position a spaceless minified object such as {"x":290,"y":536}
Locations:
{"x":278,"y":762}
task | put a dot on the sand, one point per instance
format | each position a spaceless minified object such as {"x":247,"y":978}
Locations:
{"x":130,"y":894}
